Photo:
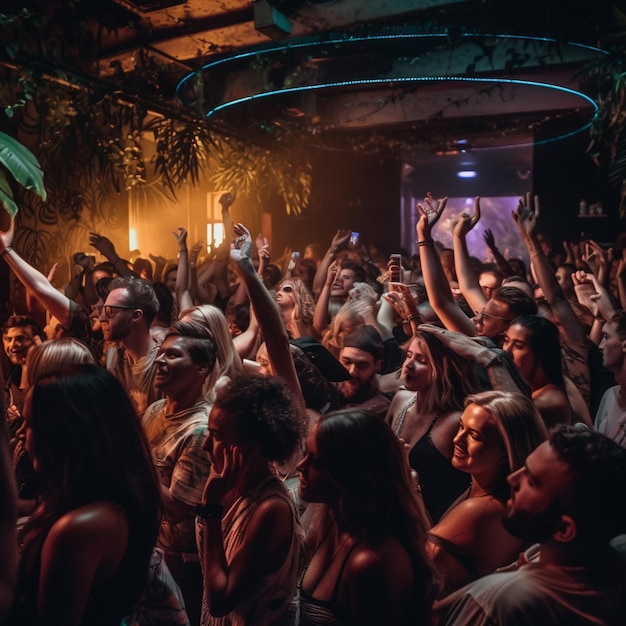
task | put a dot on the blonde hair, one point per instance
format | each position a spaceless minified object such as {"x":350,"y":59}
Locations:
{"x":303,"y":300}
{"x":228,"y":363}
{"x":518,"y":422}
{"x":50,"y":356}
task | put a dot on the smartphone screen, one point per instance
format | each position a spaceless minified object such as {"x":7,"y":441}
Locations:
{"x":395,"y":273}
{"x":354,"y":238}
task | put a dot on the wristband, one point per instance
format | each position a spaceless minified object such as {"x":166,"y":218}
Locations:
{"x":6,"y":250}
{"x":409,"y":318}
{"x":209,"y":511}
{"x":426,"y":242}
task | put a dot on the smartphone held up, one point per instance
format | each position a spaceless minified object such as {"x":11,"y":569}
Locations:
{"x":395,"y":268}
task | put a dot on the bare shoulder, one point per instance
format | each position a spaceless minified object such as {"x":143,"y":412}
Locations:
{"x":386,"y":557}
{"x":400,"y":398}
{"x":274,"y":508}
{"x":469,"y":518}
{"x":105,"y":521}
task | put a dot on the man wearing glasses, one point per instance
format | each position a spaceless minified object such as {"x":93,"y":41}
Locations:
{"x":126,"y":316}
{"x":505,"y":305}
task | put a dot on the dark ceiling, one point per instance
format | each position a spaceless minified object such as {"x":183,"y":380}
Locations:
{"x":378,"y":70}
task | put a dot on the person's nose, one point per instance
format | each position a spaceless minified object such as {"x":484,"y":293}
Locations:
{"x":513,"y":478}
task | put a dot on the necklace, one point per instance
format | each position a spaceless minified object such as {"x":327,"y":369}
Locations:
{"x":402,"y":415}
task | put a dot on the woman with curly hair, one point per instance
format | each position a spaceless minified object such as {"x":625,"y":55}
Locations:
{"x":86,"y":548}
{"x":368,"y":563}
{"x":426,"y":417}
{"x":249,"y":536}
{"x":297,"y":307}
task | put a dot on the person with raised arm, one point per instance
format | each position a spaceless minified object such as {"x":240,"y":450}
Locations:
{"x":439,"y":293}
{"x":69,"y":313}
{"x":575,"y":344}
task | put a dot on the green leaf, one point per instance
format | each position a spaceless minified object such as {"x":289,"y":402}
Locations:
{"x":6,"y":195}
{"x":22,"y":164}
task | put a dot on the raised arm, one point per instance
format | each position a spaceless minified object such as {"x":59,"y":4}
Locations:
{"x":468,"y":279}
{"x":503,"y":265}
{"x":106,"y":248}
{"x":500,"y":370}
{"x":57,"y":303}
{"x":437,"y":286}
{"x":267,"y":312}
{"x":183,"y":296}
{"x":320,"y":315}
{"x":339,"y":242}
{"x":526,"y":218}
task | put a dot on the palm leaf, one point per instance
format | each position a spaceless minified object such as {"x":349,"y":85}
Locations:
{"x":6,"y":195}
{"x":23,"y":166}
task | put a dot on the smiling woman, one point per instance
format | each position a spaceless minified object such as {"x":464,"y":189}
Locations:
{"x":497,"y":431}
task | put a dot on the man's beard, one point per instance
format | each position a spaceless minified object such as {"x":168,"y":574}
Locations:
{"x":356,"y":393}
{"x":533,"y":527}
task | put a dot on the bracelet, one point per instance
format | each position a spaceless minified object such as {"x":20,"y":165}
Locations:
{"x":6,"y":250}
{"x":409,"y":318}
{"x":209,"y":511}
{"x":426,"y":242}
{"x":535,"y":253}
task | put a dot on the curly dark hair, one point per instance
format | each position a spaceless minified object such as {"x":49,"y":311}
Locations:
{"x":263,"y":410}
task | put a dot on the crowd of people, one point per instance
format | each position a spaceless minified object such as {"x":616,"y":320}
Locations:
{"x":333,"y":438}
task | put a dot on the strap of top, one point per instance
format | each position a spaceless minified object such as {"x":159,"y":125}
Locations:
{"x":402,"y":415}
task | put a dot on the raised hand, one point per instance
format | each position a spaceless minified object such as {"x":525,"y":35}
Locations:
{"x":181,"y":236}
{"x":527,"y":215}
{"x":226,"y":200}
{"x":333,"y":268}
{"x":242,"y":246}
{"x":103,"y":245}
{"x":466,"y":222}
{"x":490,"y":240}
{"x":340,"y":240}
{"x":429,"y":213}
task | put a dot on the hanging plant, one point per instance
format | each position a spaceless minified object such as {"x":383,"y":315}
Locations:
{"x":23,"y":166}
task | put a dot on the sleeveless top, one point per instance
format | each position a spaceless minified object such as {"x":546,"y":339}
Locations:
{"x":314,"y":612}
{"x":273,"y":599}
{"x":441,"y":483}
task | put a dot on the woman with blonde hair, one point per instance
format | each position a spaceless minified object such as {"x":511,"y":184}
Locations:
{"x":498,"y":430}
{"x":297,"y":307}
{"x":52,"y":355}
{"x":228,"y":364}
{"x":425,"y":415}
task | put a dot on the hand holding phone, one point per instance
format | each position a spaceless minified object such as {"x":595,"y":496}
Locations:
{"x":395,"y":268}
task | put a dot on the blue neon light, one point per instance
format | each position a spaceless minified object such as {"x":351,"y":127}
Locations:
{"x":293,"y":45}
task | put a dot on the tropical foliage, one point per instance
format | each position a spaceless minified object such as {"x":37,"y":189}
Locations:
{"x":23,"y":166}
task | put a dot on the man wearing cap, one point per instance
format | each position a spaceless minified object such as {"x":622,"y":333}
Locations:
{"x":362,"y":356}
